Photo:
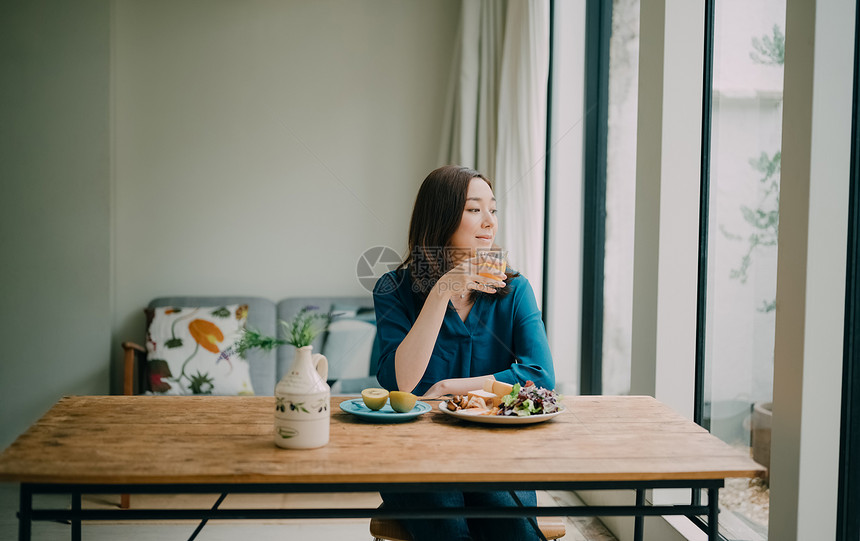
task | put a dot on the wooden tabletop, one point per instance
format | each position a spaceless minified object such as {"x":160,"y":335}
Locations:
{"x":147,"y":439}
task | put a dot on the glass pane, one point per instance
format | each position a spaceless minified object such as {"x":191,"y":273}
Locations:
{"x":620,"y":196}
{"x":744,"y":199}
{"x":565,"y":231}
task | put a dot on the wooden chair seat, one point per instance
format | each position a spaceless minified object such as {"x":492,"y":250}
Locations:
{"x":392,"y":530}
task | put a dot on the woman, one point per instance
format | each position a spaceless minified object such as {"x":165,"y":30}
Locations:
{"x":444,"y":329}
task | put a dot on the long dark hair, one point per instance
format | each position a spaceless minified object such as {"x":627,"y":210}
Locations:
{"x":436,"y":216}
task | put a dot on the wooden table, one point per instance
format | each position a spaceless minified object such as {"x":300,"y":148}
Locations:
{"x":145,"y":444}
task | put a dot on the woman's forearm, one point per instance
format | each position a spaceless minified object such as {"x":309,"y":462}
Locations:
{"x":457,"y":386}
{"x":413,"y":353}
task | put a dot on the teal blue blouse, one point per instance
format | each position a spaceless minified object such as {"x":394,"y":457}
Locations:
{"x":502,"y":336}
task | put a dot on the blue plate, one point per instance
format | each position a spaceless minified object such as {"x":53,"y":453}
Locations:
{"x":386,"y":414}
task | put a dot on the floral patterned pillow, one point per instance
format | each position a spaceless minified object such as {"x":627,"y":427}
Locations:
{"x":190,"y":351}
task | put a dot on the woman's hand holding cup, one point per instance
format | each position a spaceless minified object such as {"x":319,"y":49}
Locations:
{"x":474,"y":274}
{"x":492,"y":263}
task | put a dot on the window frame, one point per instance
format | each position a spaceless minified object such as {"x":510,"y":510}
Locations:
{"x":704,"y":216}
{"x":596,"y":114}
{"x":847,"y":520}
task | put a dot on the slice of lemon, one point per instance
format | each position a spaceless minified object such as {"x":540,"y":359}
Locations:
{"x":402,"y":402}
{"x":374,"y":398}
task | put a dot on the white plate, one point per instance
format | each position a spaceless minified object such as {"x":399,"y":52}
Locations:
{"x":499,"y":419}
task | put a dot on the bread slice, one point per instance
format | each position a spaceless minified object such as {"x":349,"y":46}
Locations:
{"x":493,"y":391}
{"x":501,"y":388}
{"x":491,"y":399}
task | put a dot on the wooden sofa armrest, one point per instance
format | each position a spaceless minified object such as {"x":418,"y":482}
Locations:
{"x":131,"y":350}
{"x":132,"y":345}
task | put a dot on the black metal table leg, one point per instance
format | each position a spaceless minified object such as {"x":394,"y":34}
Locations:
{"x":25,"y":506}
{"x":205,"y":520}
{"x":713,"y":511}
{"x":28,"y":514}
{"x":76,"y":521}
{"x":532,"y":520}
{"x":639,"y":520}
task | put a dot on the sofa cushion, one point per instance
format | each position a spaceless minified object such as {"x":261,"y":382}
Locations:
{"x":190,"y":350}
{"x":348,"y":347}
{"x":261,"y":316}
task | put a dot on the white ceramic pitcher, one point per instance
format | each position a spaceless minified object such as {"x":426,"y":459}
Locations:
{"x":302,"y":402}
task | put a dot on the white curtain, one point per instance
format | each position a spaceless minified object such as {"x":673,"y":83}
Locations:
{"x":495,"y":118}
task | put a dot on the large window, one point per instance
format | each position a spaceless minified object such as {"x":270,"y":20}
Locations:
{"x":731,"y":390}
{"x":620,"y":196}
{"x":743,"y":222}
{"x":742,"y":232}
{"x":564,"y":250}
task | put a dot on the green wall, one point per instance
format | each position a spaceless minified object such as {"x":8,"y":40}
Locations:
{"x":55,"y":220}
{"x":197,"y":147}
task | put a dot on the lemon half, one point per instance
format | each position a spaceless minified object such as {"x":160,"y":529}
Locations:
{"x":402,"y":402}
{"x":374,"y":398}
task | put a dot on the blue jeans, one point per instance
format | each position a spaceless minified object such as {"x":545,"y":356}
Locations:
{"x":462,"y":529}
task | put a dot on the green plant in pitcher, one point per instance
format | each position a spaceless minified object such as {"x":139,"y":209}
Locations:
{"x":300,"y":332}
{"x":306,"y":326}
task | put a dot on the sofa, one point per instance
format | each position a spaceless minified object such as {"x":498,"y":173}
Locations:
{"x":349,"y":344}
